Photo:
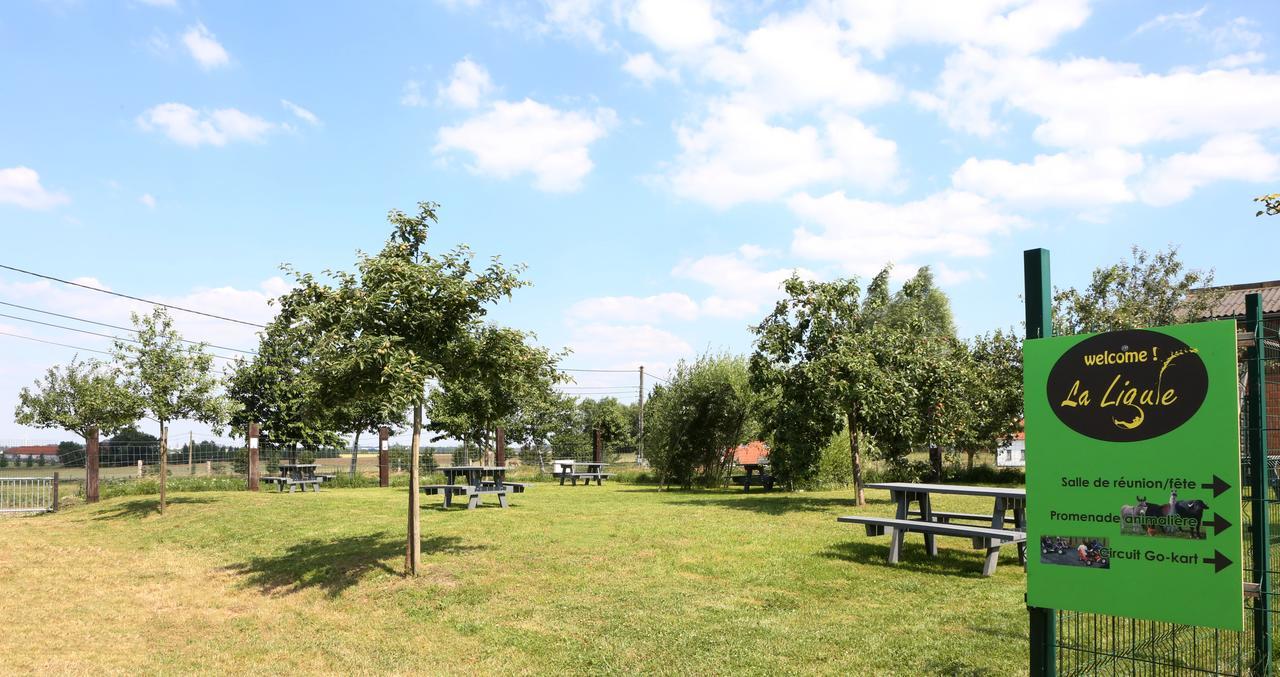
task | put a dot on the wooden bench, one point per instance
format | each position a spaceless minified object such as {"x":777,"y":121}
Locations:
{"x":983,"y":537}
{"x":946,"y":517}
{"x":599,"y":477}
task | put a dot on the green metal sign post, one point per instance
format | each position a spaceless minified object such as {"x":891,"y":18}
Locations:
{"x":1038,"y":296}
{"x":1133,"y":474}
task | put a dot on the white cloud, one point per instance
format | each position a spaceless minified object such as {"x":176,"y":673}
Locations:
{"x":798,"y":62}
{"x":1013,"y":25}
{"x":576,"y":19}
{"x":862,"y":235}
{"x":634,"y":309}
{"x":411,"y":95}
{"x":21,"y":186}
{"x":1096,"y":103}
{"x":646,"y":69}
{"x":1070,"y":179}
{"x":205,"y":48}
{"x":148,"y":199}
{"x":190,"y":127}
{"x":627,"y":346}
{"x":740,"y":285}
{"x":676,"y":25}
{"x":513,"y":138}
{"x":468,"y":86}
{"x":737,"y":156}
{"x":1239,"y":157}
{"x":1231,"y":36}
{"x":1237,"y":60}
{"x":300,"y":112}
{"x":160,"y":3}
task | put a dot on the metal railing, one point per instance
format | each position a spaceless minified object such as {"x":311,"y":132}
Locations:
{"x":28,"y":494}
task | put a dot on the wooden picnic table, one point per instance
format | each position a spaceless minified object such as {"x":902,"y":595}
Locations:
{"x":932,"y":523}
{"x":594,"y":471}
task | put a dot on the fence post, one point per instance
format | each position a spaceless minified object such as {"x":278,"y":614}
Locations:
{"x":597,"y":449}
{"x":500,"y":447}
{"x":1257,"y":413}
{"x":54,"y":507}
{"x":252,"y":440}
{"x":91,"y":465}
{"x":139,"y":468}
{"x":384,"y":456}
{"x":1038,"y":295}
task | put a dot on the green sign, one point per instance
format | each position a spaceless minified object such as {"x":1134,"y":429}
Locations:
{"x":1133,"y":474}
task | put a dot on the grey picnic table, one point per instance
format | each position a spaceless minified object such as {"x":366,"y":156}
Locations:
{"x":594,"y":470}
{"x":1009,"y":509}
{"x":295,"y":475}
{"x":756,"y":474}
{"x":474,"y":481}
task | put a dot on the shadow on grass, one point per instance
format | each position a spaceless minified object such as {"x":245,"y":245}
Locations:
{"x":776,"y":503}
{"x":949,"y":561}
{"x":147,"y":506}
{"x":333,"y":565}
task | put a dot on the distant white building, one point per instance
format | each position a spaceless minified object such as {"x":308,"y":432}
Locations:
{"x":1014,"y":454}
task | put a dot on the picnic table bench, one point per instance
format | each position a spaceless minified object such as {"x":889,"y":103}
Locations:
{"x":474,"y":481}
{"x":932,"y":524}
{"x":594,"y":471}
{"x":755,"y":475}
{"x":294,"y":475}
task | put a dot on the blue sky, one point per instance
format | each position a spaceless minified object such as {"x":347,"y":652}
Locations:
{"x":659,"y":165}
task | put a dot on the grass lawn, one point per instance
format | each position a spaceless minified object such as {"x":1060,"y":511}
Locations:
{"x":613,"y":579}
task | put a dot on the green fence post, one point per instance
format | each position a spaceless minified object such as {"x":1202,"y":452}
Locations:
{"x":1038,"y":296}
{"x":1257,"y":412}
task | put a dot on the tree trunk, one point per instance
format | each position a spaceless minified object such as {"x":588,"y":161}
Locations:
{"x":970,"y":454}
{"x":935,"y":460}
{"x":413,"y":549}
{"x":164,"y":460}
{"x":856,"y":456}
{"x":355,"y":449}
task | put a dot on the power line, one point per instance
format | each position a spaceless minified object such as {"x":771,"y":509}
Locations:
{"x":114,"y":326}
{"x":659,"y":378}
{"x":605,"y":371}
{"x":133,"y":298}
{"x":91,"y":333}
{"x":54,"y":343}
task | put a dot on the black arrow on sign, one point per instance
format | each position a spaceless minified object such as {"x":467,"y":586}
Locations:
{"x":1219,"y":524}
{"x":1219,"y":562}
{"x":1218,"y":485}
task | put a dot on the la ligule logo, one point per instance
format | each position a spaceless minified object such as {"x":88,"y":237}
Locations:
{"x":1127,"y":386}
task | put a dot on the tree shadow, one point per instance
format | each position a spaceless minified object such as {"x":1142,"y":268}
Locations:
{"x":779,"y":503}
{"x":948,"y":562}
{"x":335,"y":564}
{"x":147,"y":506}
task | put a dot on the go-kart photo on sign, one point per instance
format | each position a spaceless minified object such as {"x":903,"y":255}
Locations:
{"x":1133,"y":474}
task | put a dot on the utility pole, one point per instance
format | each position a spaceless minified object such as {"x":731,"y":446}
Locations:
{"x":640,"y":437}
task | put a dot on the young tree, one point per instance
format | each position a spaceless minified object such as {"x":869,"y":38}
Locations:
{"x":395,"y":324}
{"x":698,"y":419}
{"x":78,"y":397}
{"x":612,"y":418}
{"x":173,"y":380}
{"x":500,"y":376}
{"x":994,"y":394}
{"x":835,"y":357}
{"x":1149,"y":290}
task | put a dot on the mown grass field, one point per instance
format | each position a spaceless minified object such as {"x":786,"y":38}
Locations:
{"x":614,"y":579}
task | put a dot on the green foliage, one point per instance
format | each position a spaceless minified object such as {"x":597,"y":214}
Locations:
{"x":613,"y":419}
{"x":1270,"y":204}
{"x":172,"y":380}
{"x":30,"y":461}
{"x":696,"y":420}
{"x":71,"y":454}
{"x":4,"y":460}
{"x":993,"y":402}
{"x":40,"y":461}
{"x":502,"y":381}
{"x":77,"y":397}
{"x":1149,"y":290}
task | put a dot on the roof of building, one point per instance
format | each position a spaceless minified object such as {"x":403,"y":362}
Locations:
{"x":751,"y":452}
{"x":1232,"y":302}
{"x":36,"y":450}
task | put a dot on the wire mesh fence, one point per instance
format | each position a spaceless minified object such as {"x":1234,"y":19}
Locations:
{"x":1098,"y":644}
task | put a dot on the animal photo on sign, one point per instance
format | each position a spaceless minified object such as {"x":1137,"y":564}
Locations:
{"x":1172,"y":518}
{"x":1076,"y":551}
